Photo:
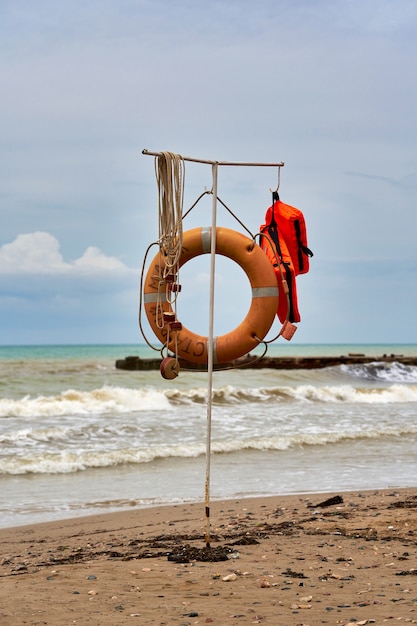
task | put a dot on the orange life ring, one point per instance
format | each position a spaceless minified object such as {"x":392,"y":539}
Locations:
{"x":253,"y":328}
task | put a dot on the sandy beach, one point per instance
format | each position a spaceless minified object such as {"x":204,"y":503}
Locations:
{"x":341,"y":558}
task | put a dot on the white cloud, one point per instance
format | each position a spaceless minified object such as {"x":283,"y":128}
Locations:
{"x":39,"y":253}
{"x":93,"y":260}
{"x":32,"y":253}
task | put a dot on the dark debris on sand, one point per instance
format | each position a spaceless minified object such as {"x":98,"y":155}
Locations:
{"x":187,"y":553}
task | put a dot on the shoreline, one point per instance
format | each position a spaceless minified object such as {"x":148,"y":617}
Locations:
{"x":289,"y":560}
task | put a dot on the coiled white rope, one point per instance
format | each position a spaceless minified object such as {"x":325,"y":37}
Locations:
{"x":170,"y":176}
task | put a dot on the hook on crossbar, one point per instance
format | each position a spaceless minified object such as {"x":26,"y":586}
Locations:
{"x":275,"y":191}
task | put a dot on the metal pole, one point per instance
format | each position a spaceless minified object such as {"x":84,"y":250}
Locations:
{"x":217,"y":163}
{"x":210,"y":348}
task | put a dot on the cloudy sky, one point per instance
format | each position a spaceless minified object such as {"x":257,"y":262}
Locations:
{"x":328,"y":87}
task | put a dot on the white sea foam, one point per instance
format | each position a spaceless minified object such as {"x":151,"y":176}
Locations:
{"x":347,"y":393}
{"x":311,"y":393}
{"x":74,"y":460}
{"x":73,"y":402}
{"x":119,"y":400}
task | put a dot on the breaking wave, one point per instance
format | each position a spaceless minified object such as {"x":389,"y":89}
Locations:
{"x":99,"y":401}
{"x":393,"y":372}
{"x":67,"y":461}
{"x":119,"y":400}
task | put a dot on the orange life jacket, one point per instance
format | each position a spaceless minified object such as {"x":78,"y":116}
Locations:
{"x":284,"y":241}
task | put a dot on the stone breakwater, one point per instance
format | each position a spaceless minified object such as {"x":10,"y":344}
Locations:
{"x":283,"y":362}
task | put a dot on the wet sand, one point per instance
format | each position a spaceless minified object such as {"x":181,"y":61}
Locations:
{"x":287,"y":560}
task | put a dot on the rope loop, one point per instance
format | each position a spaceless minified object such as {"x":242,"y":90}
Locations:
{"x":170,"y":176}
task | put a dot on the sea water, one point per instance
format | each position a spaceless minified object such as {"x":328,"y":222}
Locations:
{"x":78,"y":436}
